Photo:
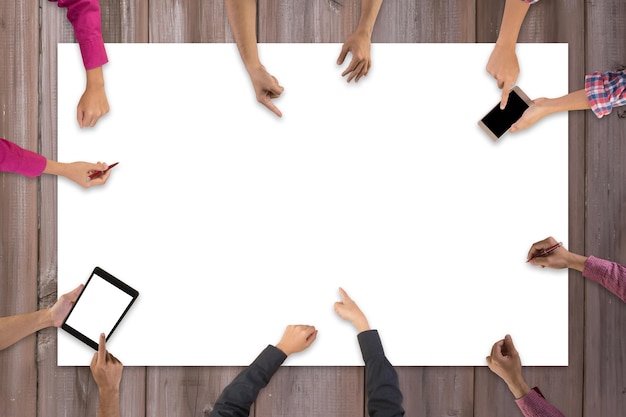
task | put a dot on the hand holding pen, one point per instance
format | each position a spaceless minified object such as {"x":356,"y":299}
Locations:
{"x":552,"y":254}
{"x":84,"y":174}
{"x":548,"y":252}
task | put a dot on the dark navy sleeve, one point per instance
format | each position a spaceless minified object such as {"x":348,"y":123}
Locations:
{"x":238,"y":396}
{"x":381,"y":380}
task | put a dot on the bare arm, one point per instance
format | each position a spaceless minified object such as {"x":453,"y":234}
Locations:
{"x":242,"y":19}
{"x":15,"y":328}
{"x":503,"y":65}
{"x":359,"y":42}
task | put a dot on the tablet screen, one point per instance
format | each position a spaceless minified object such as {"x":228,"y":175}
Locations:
{"x":100,"y":307}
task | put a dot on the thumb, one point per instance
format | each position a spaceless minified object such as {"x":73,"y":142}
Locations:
{"x":76,"y":292}
{"x":342,"y":55}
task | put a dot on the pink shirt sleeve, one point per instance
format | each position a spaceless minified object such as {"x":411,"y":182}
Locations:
{"x":534,"y":404}
{"x":610,"y":275}
{"x":84,"y":15}
{"x":20,"y":161}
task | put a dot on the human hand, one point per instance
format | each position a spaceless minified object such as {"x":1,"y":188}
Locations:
{"x":503,"y":66}
{"x":347,"y":309}
{"x":106,"y":369}
{"x":505,"y":362}
{"x":60,"y":309}
{"x":93,"y":103}
{"x":297,"y":338}
{"x":79,"y":172}
{"x":559,"y":258}
{"x":266,"y":88}
{"x":358,"y":44}
{"x":538,"y":109}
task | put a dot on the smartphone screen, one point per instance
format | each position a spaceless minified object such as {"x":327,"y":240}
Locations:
{"x":499,"y":121}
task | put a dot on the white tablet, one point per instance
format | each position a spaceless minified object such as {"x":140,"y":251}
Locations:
{"x":100,"y":307}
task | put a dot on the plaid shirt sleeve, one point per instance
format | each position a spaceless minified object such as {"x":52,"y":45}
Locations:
{"x":605,"y":91}
{"x":84,"y":15}
{"x":534,"y":404}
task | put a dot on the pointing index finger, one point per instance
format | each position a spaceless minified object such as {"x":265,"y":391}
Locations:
{"x":102,"y":349}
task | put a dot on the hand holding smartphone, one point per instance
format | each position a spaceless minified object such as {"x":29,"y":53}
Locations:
{"x":497,"y":122}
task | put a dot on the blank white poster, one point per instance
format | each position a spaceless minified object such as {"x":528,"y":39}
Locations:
{"x":232,"y":223}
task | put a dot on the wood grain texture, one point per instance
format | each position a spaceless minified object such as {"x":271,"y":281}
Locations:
{"x":605,"y":314}
{"x":70,"y":391}
{"x":313,"y":391}
{"x":18,"y":202}
{"x":306,"y":21}
{"x":188,"y":21}
{"x":186,"y":391}
{"x":426,"y":21}
{"x":549,"y":22}
{"x":436,"y":391}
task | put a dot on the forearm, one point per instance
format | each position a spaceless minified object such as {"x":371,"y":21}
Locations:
{"x":55,"y":168}
{"x":109,"y":403}
{"x":610,"y":275}
{"x":381,"y":379}
{"x":575,"y":261}
{"x":238,"y":396}
{"x":518,"y":387}
{"x":533,"y":404}
{"x":514,"y":14}
{"x":369,"y":13}
{"x":242,"y":19}
{"x":14,"y":328}
{"x":84,"y":15}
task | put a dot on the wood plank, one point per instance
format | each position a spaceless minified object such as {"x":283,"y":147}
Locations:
{"x":188,"y":21}
{"x":186,"y":391}
{"x":605,"y":317}
{"x":426,"y":21}
{"x":70,"y":390}
{"x":313,"y":391}
{"x":548,"y":22}
{"x":437,"y":391}
{"x":18,"y":202}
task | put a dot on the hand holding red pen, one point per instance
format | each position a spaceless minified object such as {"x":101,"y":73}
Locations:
{"x":558,"y":258}
{"x":79,"y":172}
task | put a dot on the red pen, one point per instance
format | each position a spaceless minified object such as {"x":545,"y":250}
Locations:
{"x":546,"y":252}
{"x":99,"y":173}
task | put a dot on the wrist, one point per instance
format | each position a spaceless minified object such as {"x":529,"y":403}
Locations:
{"x":283,"y":349}
{"x":95,"y":78}
{"x":361,"y":325}
{"x":364,"y":29}
{"x":577,"y":262}
{"x":54,"y":167}
{"x":45,"y":319}
{"x":519,"y":388}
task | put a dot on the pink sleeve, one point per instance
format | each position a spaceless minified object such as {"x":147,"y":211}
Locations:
{"x":610,"y":275}
{"x":84,"y":15}
{"x":20,"y":161}
{"x":534,"y":404}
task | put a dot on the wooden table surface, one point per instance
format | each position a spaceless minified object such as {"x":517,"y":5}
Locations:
{"x":592,"y":385}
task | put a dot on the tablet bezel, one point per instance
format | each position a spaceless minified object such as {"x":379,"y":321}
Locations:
{"x":489,"y":132}
{"x":113,"y":281}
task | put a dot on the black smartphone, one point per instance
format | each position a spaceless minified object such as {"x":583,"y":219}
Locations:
{"x":497,"y":122}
